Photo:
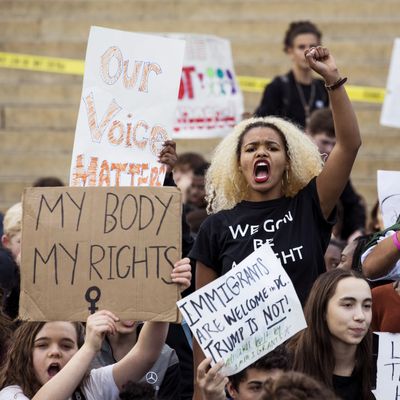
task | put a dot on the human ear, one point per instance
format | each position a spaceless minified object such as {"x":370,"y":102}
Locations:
{"x":5,"y":241}
{"x":231,"y":390}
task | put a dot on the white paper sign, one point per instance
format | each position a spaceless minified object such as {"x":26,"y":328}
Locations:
{"x":210,"y":101}
{"x":245,"y":313}
{"x":389,"y":196}
{"x":127,"y":108}
{"x":388,"y":367}
{"x":390,"y":115}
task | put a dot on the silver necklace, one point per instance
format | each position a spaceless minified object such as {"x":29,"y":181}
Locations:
{"x":306,"y":106}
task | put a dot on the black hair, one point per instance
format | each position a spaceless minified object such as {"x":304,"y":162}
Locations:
{"x":201,"y":169}
{"x":279,"y":358}
{"x":298,"y":28}
{"x":48,"y":181}
{"x":137,"y":391}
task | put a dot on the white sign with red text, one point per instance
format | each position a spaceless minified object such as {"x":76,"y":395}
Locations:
{"x":210,"y":101}
{"x":127,"y":108}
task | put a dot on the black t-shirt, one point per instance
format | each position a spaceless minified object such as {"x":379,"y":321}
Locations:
{"x":294,"y":226}
{"x":281,"y":98}
{"x":347,"y":387}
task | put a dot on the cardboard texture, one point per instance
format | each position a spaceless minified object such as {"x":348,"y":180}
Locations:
{"x":93,"y":248}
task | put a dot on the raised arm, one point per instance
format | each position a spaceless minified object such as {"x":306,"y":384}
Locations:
{"x":336,"y":172}
{"x":382,"y":258}
{"x":211,"y":383}
{"x":152,"y":337}
{"x":204,"y":275}
{"x":63,"y":384}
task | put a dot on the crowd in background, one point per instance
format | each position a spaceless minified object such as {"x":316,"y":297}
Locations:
{"x":294,"y":155}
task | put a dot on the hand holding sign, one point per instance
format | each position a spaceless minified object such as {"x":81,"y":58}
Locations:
{"x":211,"y":382}
{"x":97,"y":326}
{"x":129,"y":97}
{"x":96,"y":248}
{"x":245,"y":313}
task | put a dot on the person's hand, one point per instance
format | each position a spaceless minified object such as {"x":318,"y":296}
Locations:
{"x":321,"y":61}
{"x":97,"y":326}
{"x":182,"y":273}
{"x":211,"y":383}
{"x":168,"y":155}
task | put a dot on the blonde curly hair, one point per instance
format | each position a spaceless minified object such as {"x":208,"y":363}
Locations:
{"x":12,"y":220}
{"x":225,"y":184}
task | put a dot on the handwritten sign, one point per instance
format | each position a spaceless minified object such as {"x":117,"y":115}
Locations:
{"x":388,"y":367}
{"x":210,"y":101}
{"x":390,"y":115}
{"x":100,"y":248}
{"x":127,"y":108}
{"x":389,"y":196}
{"x":245,"y":313}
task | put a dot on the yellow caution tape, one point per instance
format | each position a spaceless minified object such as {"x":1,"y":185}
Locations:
{"x":76,"y":67}
{"x":42,"y":64}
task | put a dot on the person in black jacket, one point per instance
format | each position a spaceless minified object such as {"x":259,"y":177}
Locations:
{"x":296,"y":94}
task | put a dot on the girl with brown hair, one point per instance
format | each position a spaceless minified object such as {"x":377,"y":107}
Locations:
{"x":50,"y":360}
{"x":336,"y":347}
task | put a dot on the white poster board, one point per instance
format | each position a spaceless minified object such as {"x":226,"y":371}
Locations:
{"x":210,"y":101}
{"x":389,"y":196}
{"x":388,"y":367}
{"x":127,"y":108}
{"x":390,"y":115}
{"x":245,"y":313}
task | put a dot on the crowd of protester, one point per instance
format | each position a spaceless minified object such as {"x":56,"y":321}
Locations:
{"x":294,"y":156}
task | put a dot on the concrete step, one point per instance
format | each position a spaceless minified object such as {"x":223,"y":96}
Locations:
{"x":231,"y":25}
{"x":34,"y":93}
{"x":338,"y":8}
{"x":24,"y":165}
{"x":63,"y":49}
{"x":36,"y":117}
{"x":366,"y":167}
{"x":38,"y":141}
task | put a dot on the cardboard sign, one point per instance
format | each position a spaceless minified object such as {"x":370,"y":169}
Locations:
{"x":389,"y":196}
{"x":390,"y":115}
{"x":210,"y":101}
{"x":245,"y":313}
{"x":100,"y":248}
{"x":388,"y":367}
{"x":127,"y":108}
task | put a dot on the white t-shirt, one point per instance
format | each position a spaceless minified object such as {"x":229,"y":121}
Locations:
{"x":99,"y":385}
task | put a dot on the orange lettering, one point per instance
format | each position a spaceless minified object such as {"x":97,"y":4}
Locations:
{"x":104,"y":176}
{"x":80,"y":175}
{"x":118,"y":167}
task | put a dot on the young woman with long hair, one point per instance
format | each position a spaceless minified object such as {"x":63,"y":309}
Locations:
{"x":336,"y":346}
{"x":267,"y":183}
{"x":50,"y":360}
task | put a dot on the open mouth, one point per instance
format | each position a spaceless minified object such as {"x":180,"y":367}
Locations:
{"x":261,"y":171}
{"x":53,"y":369}
{"x":128,"y":323}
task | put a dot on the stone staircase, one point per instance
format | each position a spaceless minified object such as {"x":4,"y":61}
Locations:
{"x":38,"y":111}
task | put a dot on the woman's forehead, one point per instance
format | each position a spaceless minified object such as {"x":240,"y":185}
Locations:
{"x":262,"y":133}
{"x":352,"y":287}
{"x":57,"y":329}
